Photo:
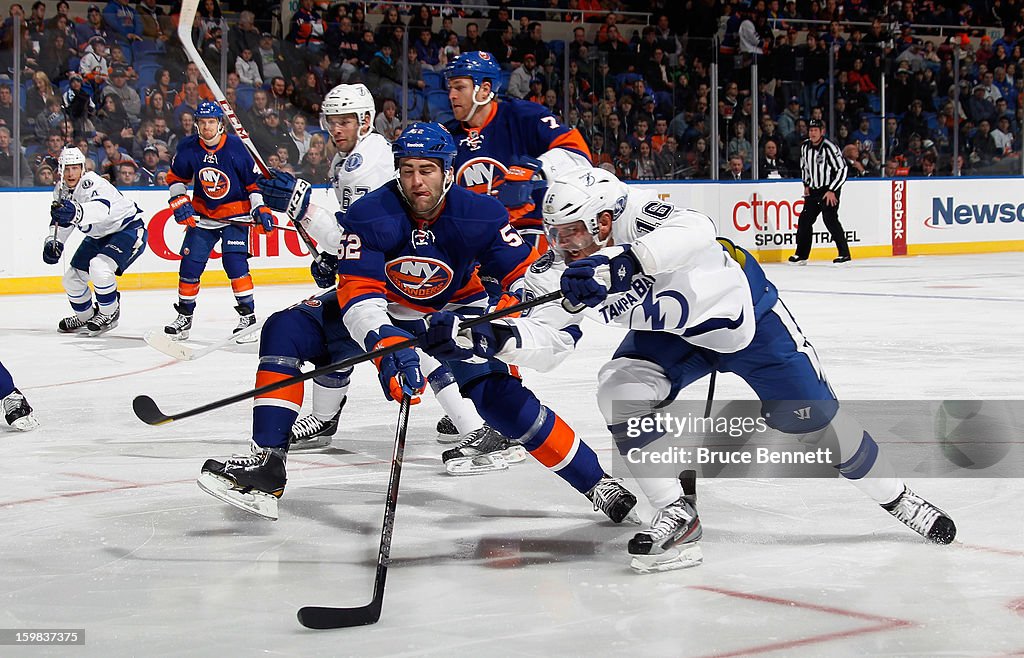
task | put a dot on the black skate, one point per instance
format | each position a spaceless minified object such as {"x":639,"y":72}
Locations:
{"x":178,"y":330}
{"x":18,"y":412}
{"x":922,"y":517}
{"x":75,"y":324}
{"x":672,"y":540}
{"x":310,"y":432}
{"x":446,"y":431}
{"x":482,"y":451}
{"x":615,"y":500}
{"x":246,"y":319}
{"x":249,"y":482}
{"x":102,"y":323}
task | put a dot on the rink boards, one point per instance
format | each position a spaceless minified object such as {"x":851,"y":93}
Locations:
{"x":881,"y":218}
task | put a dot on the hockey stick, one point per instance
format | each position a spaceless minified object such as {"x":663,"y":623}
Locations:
{"x":162,"y":342}
{"x":236,"y":222}
{"x":185,"y":20}
{"x":324,"y":618}
{"x":148,"y":411}
{"x":711,"y":393}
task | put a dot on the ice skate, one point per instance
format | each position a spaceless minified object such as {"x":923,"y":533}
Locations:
{"x":249,"y":482}
{"x":446,"y":431}
{"x":672,"y":540}
{"x":74,"y":324}
{"x":178,"y":330}
{"x":309,"y":432}
{"x":482,"y":451}
{"x":101,"y":322}
{"x":841,"y":260}
{"x":797,"y":260}
{"x":922,"y":517}
{"x":615,"y":500}
{"x":246,"y":318}
{"x":18,"y":412}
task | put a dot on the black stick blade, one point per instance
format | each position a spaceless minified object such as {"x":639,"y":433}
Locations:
{"x":320,"y":618}
{"x":147,"y":411}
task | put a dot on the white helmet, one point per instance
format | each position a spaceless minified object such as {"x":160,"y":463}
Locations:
{"x":582,"y":195}
{"x":71,"y":155}
{"x":349,"y":99}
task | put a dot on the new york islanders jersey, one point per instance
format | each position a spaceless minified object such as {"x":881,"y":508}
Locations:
{"x":105,"y":210}
{"x":393,"y":264}
{"x":224,"y":177}
{"x":514,"y":128}
{"x":367,"y":167}
{"x":692,"y":285}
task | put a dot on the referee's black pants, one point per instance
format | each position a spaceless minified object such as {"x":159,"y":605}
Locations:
{"x":814,"y":205}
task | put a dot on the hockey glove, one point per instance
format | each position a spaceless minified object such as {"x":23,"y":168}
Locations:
{"x":52,"y":250}
{"x":517,"y":189}
{"x":588,"y":281}
{"x":263,"y":220}
{"x":399,"y":372}
{"x":444,"y":341}
{"x":184,"y":213}
{"x":66,"y":213}
{"x":325,"y":270}
{"x":508,"y":298}
{"x":286,"y":193}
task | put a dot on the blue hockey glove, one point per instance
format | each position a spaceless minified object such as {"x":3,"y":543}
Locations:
{"x":325,"y":270}
{"x":263,"y":219}
{"x":517,"y":189}
{"x":184,"y":213}
{"x":586,"y":281}
{"x":399,"y":372}
{"x":444,"y":341}
{"x":286,"y":193}
{"x":66,"y":213}
{"x":52,"y":250}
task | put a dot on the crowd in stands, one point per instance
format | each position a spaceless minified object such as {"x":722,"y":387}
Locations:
{"x":117,"y":84}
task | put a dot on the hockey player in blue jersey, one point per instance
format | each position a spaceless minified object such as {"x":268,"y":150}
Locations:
{"x":115,"y":235}
{"x":507,"y":147}
{"x":693,"y":304}
{"x":226,"y":200}
{"x":411,"y":247}
{"x":17,"y":410}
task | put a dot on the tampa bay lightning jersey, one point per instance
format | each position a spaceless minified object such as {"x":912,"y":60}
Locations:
{"x":421,"y":267}
{"x":367,"y":167}
{"x":105,"y":210}
{"x":514,"y":128}
{"x":224,"y":176}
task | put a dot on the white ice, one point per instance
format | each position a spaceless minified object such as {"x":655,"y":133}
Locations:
{"x":104,"y":528}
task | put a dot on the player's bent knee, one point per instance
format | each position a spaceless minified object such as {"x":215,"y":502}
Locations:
{"x":627,"y":388}
{"x":75,"y":281}
{"x":279,"y":332}
{"x":103,"y":272}
{"x":235,"y":264}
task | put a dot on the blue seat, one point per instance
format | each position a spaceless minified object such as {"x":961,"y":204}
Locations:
{"x":438,"y":104}
{"x":506,"y":76}
{"x":434,"y":80}
{"x":243,"y":94}
{"x":147,"y":73}
{"x":62,"y":85}
{"x":147,"y":47}
{"x":875,"y":102}
{"x":31,"y":150}
{"x":557,"y":48}
{"x":415,"y":105}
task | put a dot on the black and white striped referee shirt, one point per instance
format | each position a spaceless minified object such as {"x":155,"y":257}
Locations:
{"x":822,"y":167}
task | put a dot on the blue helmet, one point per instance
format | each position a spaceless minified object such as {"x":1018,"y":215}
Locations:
{"x":478,"y":65}
{"x":208,"y":110}
{"x":426,"y":140}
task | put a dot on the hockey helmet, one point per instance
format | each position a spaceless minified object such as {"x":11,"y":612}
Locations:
{"x":349,"y":99}
{"x":426,"y":140}
{"x":71,"y":155}
{"x":208,"y":110}
{"x":581,"y":196}
{"x":478,"y":65}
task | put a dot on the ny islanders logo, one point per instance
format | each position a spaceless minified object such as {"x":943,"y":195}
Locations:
{"x":418,"y":277}
{"x":214,"y":182}
{"x":482,"y":175}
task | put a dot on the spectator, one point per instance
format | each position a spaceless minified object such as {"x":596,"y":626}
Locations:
{"x":307,"y":28}
{"x":616,"y":49}
{"x":673,"y":160}
{"x":699,"y":157}
{"x":122,"y":22}
{"x":52,"y":118}
{"x":615,"y":132}
{"x":126,"y":174}
{"x":6,"y":107}
{"x":272,"y":135}
{"x":598,"y":153}
{"x":155,"y":22}
{"x":277,"y":96}
{"x":383,"y":76}
{"x":856,"y":168}
{"x":580,"y":50}
{"x":78,"y":105}
{"x":247,"y":69}
{"x":347,"y":49}
{"x":772,"y":165}
{"x":315,"y":166}
{"x":519,"y":81}
{"x":739,"y":144}
{"x":984,"y":150}
{"x":92,"y":27}
{"x":129,"y":98}
{"x":7,"y":156}
{"x":112,"y":121}
{"x":306,"y":99}
{"x":414,"y":69}
{"x":626,"y":166}
{"x":1003,"y":136}
{"x":150,"y":167}
{"x":533,"y":43}
{"x":928,"y":168}
{"x":736,"y":170}
{"x":94,"y":66}
{"x":386,"y":29}
{"x":648,"y":167}
{"x":299,"y":136}
{"x":112,"y":156}
{"x":43,"y":176}
{"x":387,"y":122}
{"x":980,"y":108}
{"x":428,"y":51}
{"x":421,"y":21}
{"x":269,"y":58}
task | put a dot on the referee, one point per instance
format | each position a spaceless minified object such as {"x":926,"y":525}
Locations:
{"x":823,"y":168}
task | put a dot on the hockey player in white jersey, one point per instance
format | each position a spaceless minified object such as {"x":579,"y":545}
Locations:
{"x":115,"y":235}
{"x":363,"y":163}
{"x":693,"y":303}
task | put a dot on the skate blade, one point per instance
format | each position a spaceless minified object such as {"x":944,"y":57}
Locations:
{"x":260,"y":504}
{"x":476,"y":465}
{"x":447,"y":439}
{"x":25,"y":423}
{"x":248,"y":338}
{"x":103,"y":330}
{"x":177,"y":337}
{"x":674,"y":558}
{"x":314,"y":443}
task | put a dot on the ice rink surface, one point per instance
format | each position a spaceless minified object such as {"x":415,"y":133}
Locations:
{"x":103,"y":527}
